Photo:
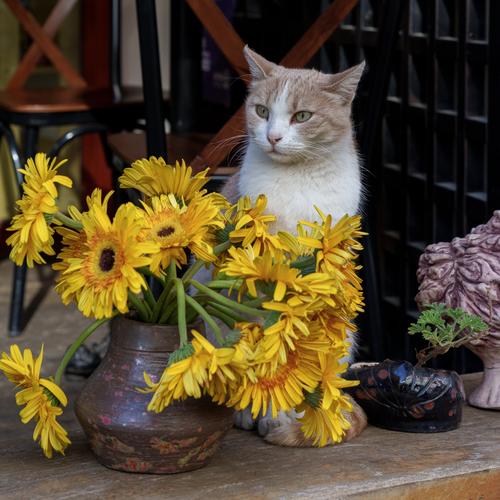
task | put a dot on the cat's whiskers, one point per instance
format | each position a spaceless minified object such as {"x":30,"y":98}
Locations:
{"x":236,"y":139}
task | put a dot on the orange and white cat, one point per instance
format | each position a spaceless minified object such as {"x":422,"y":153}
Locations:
{"x":301,"y":153}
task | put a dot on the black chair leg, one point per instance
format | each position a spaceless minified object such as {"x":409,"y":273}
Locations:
{"x":17,"y":301}
{"x":19,"y":281}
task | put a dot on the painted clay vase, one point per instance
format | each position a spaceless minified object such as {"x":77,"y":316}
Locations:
{"x":122,"y":433}
{"x":465,"y":273}
{"x":398,"y":396}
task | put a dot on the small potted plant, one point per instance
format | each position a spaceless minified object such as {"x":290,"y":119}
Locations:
{"x":399,"y":396}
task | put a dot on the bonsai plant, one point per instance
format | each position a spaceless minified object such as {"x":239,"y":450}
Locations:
{"x":399,"y":396}
{"x":445,"y":328}
{"x":285,"y":301}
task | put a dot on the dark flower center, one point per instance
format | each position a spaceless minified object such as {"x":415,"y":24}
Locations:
{"x":107,"y":259}
{"x":165,"y":231}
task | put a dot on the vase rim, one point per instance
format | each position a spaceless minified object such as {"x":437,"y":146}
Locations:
{"x":128,"y":333}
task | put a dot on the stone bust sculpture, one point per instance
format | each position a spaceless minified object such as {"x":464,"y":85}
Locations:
{"x":465,"y":273}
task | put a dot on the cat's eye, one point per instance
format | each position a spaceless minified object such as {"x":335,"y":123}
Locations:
{"x":301,"y":116}
{"x":262,"y":111}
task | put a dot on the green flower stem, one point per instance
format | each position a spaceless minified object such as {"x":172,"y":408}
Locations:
{"x":150,"y":300}
{"x":192,"y":270}
{"x":139,"y":306}
{"x":148,"y":310}
{"x":167,"y":302}
{"x":203,"y":314}
{"x":162,"y":299}
{"x":76,"y":344}
{"x":198,"y":264}
{"x":170,"y":303}
{"x":68,"y":221}
{"x":191,"y":314}
{"x":222,"y":284}
{"x":226,"y":311}
{"x":228,"y":321}
{"x":221,"y":247}
{"x":236,"y":306}
{"x":181,"y":311}
{"x":172,"y":270}
{"x":168,"y":311}
{"x":147,"y":272}
{"x":256,"y":302}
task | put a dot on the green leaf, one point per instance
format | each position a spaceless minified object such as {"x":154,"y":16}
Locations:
{"x":314,"y":398}
{"x":233,"y":337}
{"x":271,"y":319}
{"x":180,"y":354}
{"x":222,"y":235}
{"x":445,"y":327}
{"x":306,"y":264}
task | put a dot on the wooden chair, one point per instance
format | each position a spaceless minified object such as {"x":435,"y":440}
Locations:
{"x":92,"y":110}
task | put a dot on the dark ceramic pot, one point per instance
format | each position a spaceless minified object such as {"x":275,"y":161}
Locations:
{"x":122,"y":433}
{"x":398,"y":396}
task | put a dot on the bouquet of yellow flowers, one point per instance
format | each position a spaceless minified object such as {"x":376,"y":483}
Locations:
{"x":278,"y":304}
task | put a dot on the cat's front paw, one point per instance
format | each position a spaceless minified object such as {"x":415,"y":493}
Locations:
{"x":267,"y":423}
{"x":243,"y":420}
{"x":286,"y":429}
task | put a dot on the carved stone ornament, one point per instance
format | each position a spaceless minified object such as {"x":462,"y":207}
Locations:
{"x":465,"y":273}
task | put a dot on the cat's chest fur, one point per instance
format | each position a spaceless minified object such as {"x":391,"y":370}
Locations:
{"x":332,"y":184}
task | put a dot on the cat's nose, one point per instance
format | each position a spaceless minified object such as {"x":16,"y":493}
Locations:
{"x":274,"y":138}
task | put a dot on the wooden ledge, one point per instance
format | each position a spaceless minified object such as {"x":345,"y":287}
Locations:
{"x":379,"y":464}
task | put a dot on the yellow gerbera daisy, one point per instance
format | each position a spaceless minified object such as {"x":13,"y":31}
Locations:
{"x":73,"y":242}
{"x":325,"y":426}
{"x":245,"y":263}
{"x":333,"y":328}
{"x":41,"y":406}
{"x":293,"y":246}
{"x":191,"y":375}
{"x":282,"y":388}
{"x":174,"y":227}
{"x":331,"y":382}
{"x":251,"y":226}
{"x":101,"y":267}
{"x":32,"y":229}
{"x":21,"y":369}
{"x":245,"y":353}
{"x":154,"y":177}
{"x":41,"y":396}
{"x":336,"y":245}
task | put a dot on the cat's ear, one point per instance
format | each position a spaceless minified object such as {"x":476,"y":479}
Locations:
{"x":259,"y":66}
{"x":344,"y":84}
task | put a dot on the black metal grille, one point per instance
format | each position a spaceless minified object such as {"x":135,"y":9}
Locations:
{"x":434,"y":175}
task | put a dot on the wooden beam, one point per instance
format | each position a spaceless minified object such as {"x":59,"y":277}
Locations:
{"x":47,"y":46}
{"x":34,"y":53}
{"x":301,"y":53}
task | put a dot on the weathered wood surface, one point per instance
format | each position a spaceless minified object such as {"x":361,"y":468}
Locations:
{"x":379,"y":464}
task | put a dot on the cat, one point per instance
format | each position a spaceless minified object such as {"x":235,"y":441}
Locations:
{"x":301,"y":153}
